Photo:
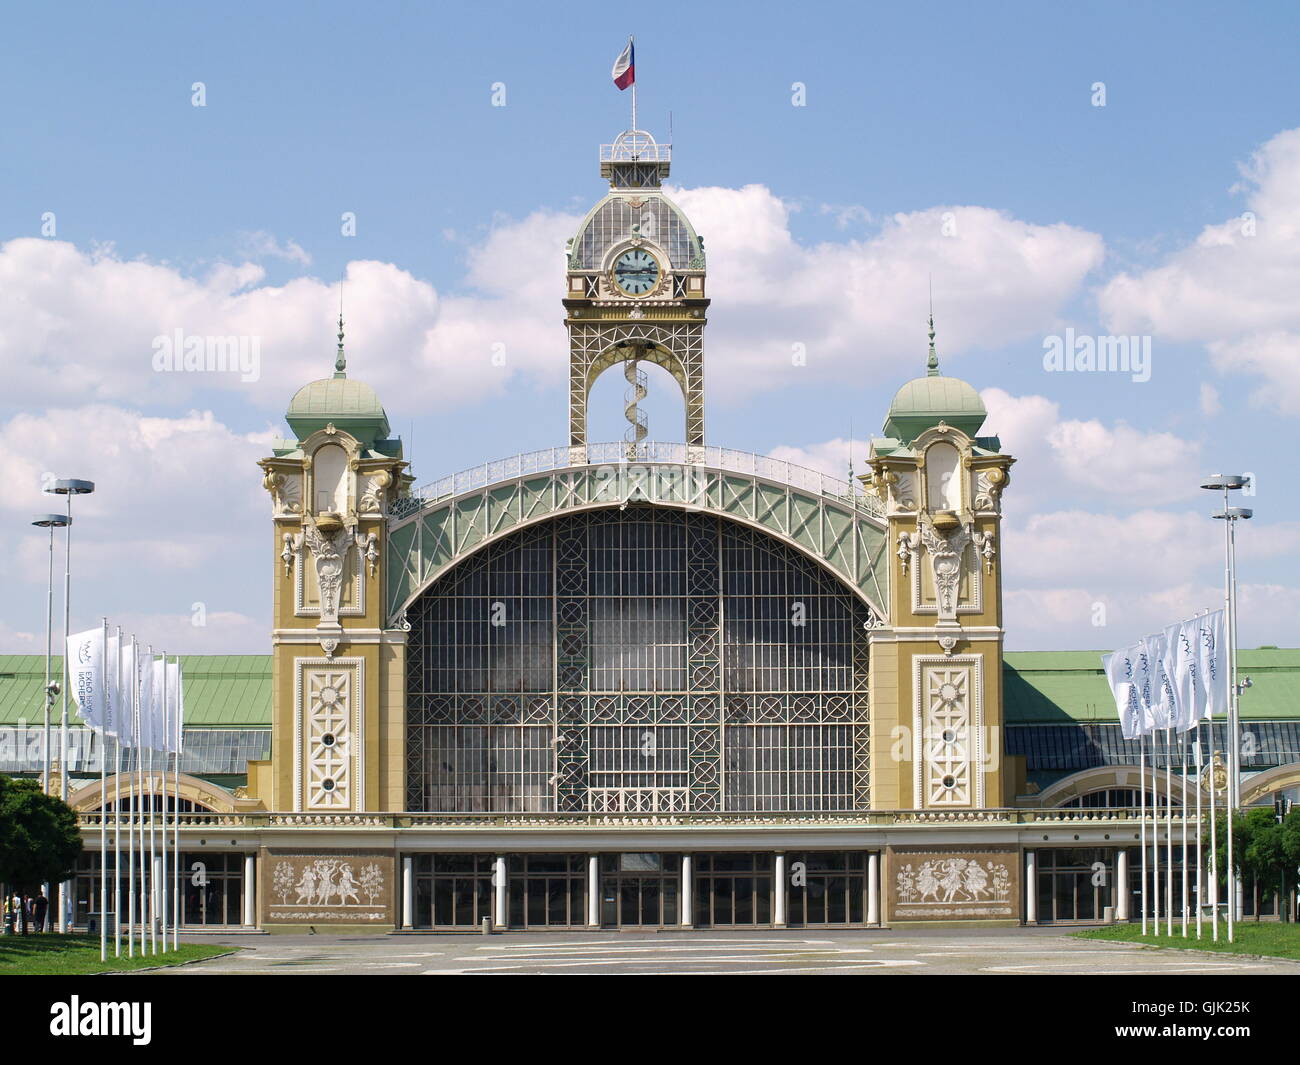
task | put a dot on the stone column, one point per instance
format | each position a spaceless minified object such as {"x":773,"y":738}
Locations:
{"x":593,"y":890}
{"x":408,"y":891}
{"x":687,"y":893}
{"x":1031,"y":888}
{"x":1121,"y":884}
{"x":502,"y":882}
{"x":250,"y":890}
{"x":873,"y":888}
{"x":778,"y":892}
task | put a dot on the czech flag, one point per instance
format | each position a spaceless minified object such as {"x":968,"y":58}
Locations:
{"x":625,"y":67}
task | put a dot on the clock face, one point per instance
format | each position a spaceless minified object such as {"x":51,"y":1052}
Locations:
{"x":636,"y":272}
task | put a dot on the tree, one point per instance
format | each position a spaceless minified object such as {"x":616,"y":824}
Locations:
{"x":39,"y":838}
{"x":1263,"y":850}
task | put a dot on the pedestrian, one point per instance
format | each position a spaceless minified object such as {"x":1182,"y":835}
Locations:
{"x":40,"y":908}
{"x":9,"y":915}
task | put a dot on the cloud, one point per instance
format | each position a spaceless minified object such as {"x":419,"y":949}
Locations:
{"x":1113,"y":462}
{"x":1210,"y":402}
{"x":178,"y":517}
{"x":831,"y":458}
{"x":1232,"y":288}
{"x":260,"y":244}
{"x":83,"y":325}
{"x":860,"y":304}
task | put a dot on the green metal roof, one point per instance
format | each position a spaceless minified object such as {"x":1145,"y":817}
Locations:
{"x":924,"y":402}
{"x":221,"y":691}
{"x":1041,"y":688}
{"x":349,"y":404}
{"x":1059,"y":687}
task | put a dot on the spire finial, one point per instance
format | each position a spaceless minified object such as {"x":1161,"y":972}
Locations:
{"x":340,"y":360}
{"x":932,"y":364}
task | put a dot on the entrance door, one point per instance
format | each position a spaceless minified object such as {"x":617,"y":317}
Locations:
{"x":639,"y":890}
{"x":826,"y":888}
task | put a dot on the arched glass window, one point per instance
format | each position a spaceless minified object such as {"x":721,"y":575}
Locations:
{"x":637,"y":660}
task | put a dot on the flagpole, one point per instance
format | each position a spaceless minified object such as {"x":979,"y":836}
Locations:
{"x":1142,"y":820}
{"x":632,"y":41}
{"x":176,"y":820}
{"x":162,"y":790}
{"x":117,"y":807}
{"x":1155,"y":838}
{"x":1186,"y":876}
{"x":1169,"y":830}
{"x":130,"y":820}
{"x":103,"y":795}
{"x":142,"y":897}
{"x":1214,"y":844}
{"x":153,"y":813}
{"x":1200,"y":832}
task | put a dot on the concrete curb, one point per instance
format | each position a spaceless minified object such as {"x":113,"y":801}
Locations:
{"x":172,"y":965}
{"x":1191,"y":950}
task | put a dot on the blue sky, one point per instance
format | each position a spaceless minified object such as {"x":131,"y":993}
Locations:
{"x":912,"y":110}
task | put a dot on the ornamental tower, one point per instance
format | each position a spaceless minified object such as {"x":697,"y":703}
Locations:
{"x":936,"y":670}
{"x":635,"y":290}
{"x":337,"y":672}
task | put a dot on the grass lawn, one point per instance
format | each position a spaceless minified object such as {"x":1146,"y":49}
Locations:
{"x":73,"y":955}
{"x":1269,"y":938}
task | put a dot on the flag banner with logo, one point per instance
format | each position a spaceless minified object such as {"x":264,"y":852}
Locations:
{"x":85,"y":652}
{"x":1212,"y":658}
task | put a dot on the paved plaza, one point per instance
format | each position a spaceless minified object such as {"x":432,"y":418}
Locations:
{"x":1028,"y":952}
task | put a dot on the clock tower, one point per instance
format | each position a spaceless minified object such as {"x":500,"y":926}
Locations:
{"x":635,"y":291}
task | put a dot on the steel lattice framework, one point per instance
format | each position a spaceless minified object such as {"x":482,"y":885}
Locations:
{"x":820,"y":516}
{"x":676,"y":346}
{"x":637,"y":660}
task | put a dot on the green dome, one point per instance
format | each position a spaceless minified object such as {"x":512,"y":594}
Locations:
{"x":925,"y":402}
{"x":350,"y":405}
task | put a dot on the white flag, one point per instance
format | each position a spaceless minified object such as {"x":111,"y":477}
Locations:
{"x":1161,"y":704}
{"x":158,"y":735}
{"x":146,"y":701}
{"x":174,"y":709}
{"x":1144,"y":684}
{"x":1212,"y":657}
{"x":1119,"y":673}
{"x":1187,"y":678}
{"x":112,"y":681}
{"x":126,"y":690}
{"x":85,"y":652}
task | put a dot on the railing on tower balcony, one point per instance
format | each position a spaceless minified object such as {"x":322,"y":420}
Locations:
{"x":648,"y":453}
{"x":635,"y":146}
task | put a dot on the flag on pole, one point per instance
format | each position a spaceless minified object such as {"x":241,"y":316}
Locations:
{"x":112,"y":681}
{"x":145,"y":739}
{"x":625,"y":67}
{"x":1161,"y":687}
{"x":126,"y":688}
{"x":1119,"y":673}
{"x":1212,"y":662}
{"x":174,"y":705}
{"x":85,"y":653}
{"x":1187,"y":677}
{"x":160,"y":699}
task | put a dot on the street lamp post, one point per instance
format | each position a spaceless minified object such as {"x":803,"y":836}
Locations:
{"x":68,"y":487}
{"x":1226,"y":483}
{"x":51,"y":522}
